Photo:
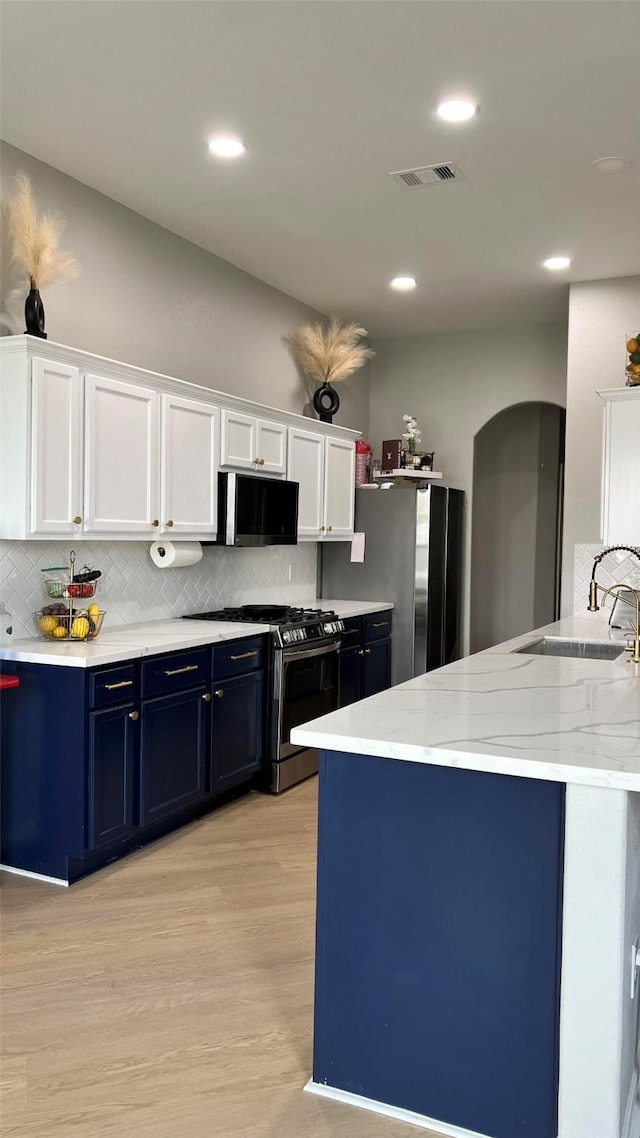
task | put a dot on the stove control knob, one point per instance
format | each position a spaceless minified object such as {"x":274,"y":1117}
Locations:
{"x":286,"y":637}
{"x":303,"y":634}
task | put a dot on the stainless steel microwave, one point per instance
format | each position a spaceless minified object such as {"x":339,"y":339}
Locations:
{"x":256,"y":511}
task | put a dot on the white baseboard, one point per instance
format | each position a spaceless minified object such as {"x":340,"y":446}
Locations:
{"x":36,"y":876}
{"x":398,"y":1112}
{"x":631,"y":1124}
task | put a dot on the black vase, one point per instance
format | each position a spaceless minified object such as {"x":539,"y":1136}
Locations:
{"x":326,"y":402}
{"x":34,"y":315}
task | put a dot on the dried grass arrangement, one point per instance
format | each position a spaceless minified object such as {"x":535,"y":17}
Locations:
{"x":35,"y":250}
{"x":328,"y":353}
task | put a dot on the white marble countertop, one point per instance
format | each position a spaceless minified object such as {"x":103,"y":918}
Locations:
{"x":554,"y":718}
{"x":129,"y":642}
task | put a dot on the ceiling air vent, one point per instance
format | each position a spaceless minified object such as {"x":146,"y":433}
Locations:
{"x":428,"y":176}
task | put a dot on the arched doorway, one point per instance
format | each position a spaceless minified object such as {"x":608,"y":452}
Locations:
{"x":518,"y":475}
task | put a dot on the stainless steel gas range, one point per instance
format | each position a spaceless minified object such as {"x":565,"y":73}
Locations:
{"x":304,"y":679}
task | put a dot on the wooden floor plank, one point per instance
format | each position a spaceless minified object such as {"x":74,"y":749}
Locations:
{"x":171,"y":994}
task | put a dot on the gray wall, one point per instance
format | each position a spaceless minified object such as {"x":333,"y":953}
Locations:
{"x":515,"y":505}
{"x":601,"y":314}
{"x":147,"y":297}
{"x":454,"y":383}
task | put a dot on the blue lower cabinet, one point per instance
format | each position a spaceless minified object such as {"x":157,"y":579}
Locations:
{"x":173,"y":752}
{"x":112,"y":758}
{"x":376,"y":667}
{"x":350,"y":676}
{"x":237,"y":738}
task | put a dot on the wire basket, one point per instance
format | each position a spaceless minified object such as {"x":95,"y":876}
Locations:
{"x":65,"y":590}
{"x":60,"y":627}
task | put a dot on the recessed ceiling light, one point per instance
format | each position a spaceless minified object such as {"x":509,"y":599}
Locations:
{"x":611,"y":165}
{"x":225,"y":146}
{"x":557,"y":263}
{"x":403,"y":284}
{"x":457,"y":110}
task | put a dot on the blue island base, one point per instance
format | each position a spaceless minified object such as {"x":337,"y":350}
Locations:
{"x":438,"y":945}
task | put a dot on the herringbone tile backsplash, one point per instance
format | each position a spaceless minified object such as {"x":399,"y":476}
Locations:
{"x":133,"y":589}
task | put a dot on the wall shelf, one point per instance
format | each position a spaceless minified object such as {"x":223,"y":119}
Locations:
{"x":409,"y":475}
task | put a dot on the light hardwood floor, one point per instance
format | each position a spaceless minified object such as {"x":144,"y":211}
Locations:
{"x":170,"y":995}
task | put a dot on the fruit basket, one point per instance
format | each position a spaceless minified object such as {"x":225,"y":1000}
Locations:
{"x":70,"y":590}
{"x":69,"y":624}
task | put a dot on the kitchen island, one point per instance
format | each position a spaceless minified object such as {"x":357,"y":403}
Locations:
{"x":479,"y":895}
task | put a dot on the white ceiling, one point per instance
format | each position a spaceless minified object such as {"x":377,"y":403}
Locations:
{"x":330,"y":96}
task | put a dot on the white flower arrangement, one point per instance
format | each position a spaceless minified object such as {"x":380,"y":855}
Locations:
{"x":412,"y":434}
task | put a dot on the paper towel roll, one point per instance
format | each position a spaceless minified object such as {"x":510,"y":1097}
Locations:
{"x":175,"y":554}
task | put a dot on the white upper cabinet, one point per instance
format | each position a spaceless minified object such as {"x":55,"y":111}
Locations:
{"x":306,"y":467}
{"x":248,"y":443}
{"x":621,"y":467}
{"x":121,"y":457}
{"x":324,"y":467}
{"x":91,"y":448}
{"x":339,"y":488}
{"x":56,"y":448}
{"x":188,"y":467}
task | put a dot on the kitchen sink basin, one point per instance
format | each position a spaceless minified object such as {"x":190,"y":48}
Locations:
{"x":577,"y":649}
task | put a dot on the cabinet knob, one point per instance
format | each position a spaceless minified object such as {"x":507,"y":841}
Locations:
{"x":218,"y":693}
{"x":77,"y":521}
{"x":134,"y":715}
{"x":256,"y":462}
{"x":169,"y":524}
{"x":367,"y":651}
{"x":207,"y":697}
{"x":361,"y":652}
{"x":155,"y":522}
{"x":329,"y":528}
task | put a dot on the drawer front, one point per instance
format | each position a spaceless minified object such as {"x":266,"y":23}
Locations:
{"x":113,"y":685}
{"x":377,"y":625}
{"x":238,"y":656}
{"x":352,"y":635}
{"x":163,"y":674}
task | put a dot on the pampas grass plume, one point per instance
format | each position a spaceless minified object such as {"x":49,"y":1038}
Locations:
{"x":35,"y":241}
{"x":329,"y":353}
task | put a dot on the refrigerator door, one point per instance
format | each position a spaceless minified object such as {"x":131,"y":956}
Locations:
{"x":388,"y":520}
{"x":453,"y":578}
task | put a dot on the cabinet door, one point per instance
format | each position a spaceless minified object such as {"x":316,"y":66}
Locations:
{"x":305,"y":466}
{"x":339,"y":488}
{"x":173,"y":750}
{"x":238,"y":440}
{"x":376,"y":671}
{"x":112,"y":739}
{"x":188,"y":467}
{"x":350,"y":675}
{"x":56,"y":448}
{"x":272,"y":447}
{"x":621,"y":484}
{"x":121,"y":457}
{"x":237,"y":746}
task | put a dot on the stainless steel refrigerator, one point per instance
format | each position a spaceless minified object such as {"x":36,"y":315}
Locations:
{"x":413,"y":557}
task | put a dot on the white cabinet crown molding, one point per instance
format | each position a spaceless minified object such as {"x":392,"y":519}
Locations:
{"x":30,"y":347}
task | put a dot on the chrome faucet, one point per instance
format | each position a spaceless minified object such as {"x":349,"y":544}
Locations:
{"x":633,"y":645}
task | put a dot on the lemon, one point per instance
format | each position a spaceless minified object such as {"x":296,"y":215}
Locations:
{"x":93,"y":611}
{"x":80,"y":628}
{"x":47,"y":624}
{"x":632,"y":344}
{"x":59,"y":632}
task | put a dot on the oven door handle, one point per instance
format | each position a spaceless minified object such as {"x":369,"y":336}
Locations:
{"x":304,"y":653}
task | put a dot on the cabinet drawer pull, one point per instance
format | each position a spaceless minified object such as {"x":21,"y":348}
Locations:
{"x":219,"y":693}
{"x":121,"y":684}
{"x":382,"y":624}
{"x":350,"y":632}
{"x":179,"y":671}
{"x":77,"y":520}
{"x":243,"y":656}
{"x":207,"y":697}
{"x":134,"y":715}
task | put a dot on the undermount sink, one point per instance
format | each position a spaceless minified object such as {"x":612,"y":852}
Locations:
{"x":577,"y":649}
